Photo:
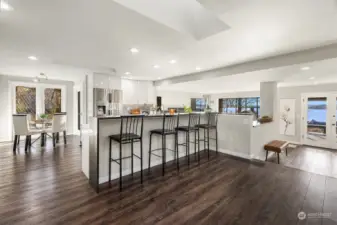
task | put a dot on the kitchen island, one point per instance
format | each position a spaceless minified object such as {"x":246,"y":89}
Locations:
{"x":236,"y":136}
{"x":98,"y":152}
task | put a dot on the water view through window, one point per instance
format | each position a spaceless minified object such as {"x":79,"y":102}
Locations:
{"x":316,"y":118}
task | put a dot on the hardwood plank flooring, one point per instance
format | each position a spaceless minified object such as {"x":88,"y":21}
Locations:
{"x":310,"y":159}
{"x":46,"y":186}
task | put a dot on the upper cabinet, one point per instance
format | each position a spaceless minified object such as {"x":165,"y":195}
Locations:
{"x":138,"y":92}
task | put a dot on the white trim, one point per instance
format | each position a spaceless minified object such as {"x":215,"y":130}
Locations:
{"x":330,"y":137}
{"x":238,"y":154}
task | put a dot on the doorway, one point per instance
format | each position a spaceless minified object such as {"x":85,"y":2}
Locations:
{"x":319,"y":120}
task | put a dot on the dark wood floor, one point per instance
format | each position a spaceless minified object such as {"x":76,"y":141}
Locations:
{"x":47,"y":186}
{"x":310,"y":159}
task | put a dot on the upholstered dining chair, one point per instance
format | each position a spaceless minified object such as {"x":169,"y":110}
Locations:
{"x":22,"y":128}
{"x":59,"y":124}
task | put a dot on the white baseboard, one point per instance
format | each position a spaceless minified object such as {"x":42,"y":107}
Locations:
{"x":238,"y":154}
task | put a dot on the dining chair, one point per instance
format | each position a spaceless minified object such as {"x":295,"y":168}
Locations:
{"x":59,"y":124}
{"x":22,"y":128}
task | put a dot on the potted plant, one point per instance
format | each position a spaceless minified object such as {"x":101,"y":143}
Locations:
{"x":187,"y":109}
{"x":44,"y":117}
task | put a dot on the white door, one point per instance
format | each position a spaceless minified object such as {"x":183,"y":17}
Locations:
{"x":319,"y":120}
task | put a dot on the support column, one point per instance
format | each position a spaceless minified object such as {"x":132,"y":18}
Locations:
{"x":269,"y":99}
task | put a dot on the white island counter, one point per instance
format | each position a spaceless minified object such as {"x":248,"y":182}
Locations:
{"x":235,"y":137}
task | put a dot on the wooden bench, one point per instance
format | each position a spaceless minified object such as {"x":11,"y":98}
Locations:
{"x":276,"y":146}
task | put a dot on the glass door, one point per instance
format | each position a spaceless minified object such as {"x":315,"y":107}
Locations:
{"x":319,"y":120}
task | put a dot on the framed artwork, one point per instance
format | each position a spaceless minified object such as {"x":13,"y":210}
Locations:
{"x":287,"y":116}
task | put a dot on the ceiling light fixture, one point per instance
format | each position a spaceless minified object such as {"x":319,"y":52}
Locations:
{"x":197,"y":68}
{"x":311,"y":78}
{"x":34,"y":58}
{"x":156,"y":66}
{"x":173,"y":61}
{"x":134,"y":50}
{"x":305,"y":68}
{"x":40,"y":77}
{"x":4,"y":6}
{"x":127,"y":73}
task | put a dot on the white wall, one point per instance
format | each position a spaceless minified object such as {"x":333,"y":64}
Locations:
{"x":176,"y":98}
{"x":5,"y":109}
{"x":234,"y":134}
{"x":138,"y":92}
{"x":6,"y":103}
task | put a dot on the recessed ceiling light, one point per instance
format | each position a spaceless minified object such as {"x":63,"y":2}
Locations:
{"x":156,"y":66}
{"x":34,"y":58}
{"x":311,"y":78}
{"x":173,"y":61}
{"x":134,"y":50}
{"x":4,"y":6}
{"x":127,"y":73}
{"x":305,"y":68}
{"x":197,"y":68}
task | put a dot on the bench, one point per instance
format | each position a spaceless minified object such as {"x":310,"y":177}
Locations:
{"x":276,"y":146}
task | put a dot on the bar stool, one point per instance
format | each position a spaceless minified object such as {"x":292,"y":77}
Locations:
{"x":193,"y":121}
{"x":170,"y":123}
{"x":131,"y":131}
{"x":211,"y":124}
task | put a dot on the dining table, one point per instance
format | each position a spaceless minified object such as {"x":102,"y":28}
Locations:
{"x":43,"y":125}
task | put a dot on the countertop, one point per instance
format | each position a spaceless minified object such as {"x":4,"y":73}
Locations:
{"x":156,"y":115}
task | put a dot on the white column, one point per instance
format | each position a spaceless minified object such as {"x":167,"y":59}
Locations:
{"x":268,"y":99}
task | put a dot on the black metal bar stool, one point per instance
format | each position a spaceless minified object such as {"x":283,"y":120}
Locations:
{"x":170,"y":123}
{"x":193,"y":122}
{"x":211,"y":124}
{"x":131,"y":131}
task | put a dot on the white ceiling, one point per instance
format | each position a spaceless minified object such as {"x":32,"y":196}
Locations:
{"x":97,"y":35}
{"x":320,"y":72}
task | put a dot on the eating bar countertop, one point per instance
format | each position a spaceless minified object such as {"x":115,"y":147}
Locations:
{"x":232,"y":130}
{"x":160,"y":115}
{"x":151,"y":115}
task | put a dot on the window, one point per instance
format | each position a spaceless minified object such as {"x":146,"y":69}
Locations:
{"x":240,"y":105}
{"x":36,"y":99}
{"x":198,"y":104}
{"x":26,"y":100}
{"x":52,"y":100}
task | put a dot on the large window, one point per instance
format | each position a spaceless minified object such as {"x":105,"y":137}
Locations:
{"x":26,"y":100}
{"x":37,"y":99}
{"x":240,"y":105}
{"x":198,"y":104}
{"x":52,"y":100}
